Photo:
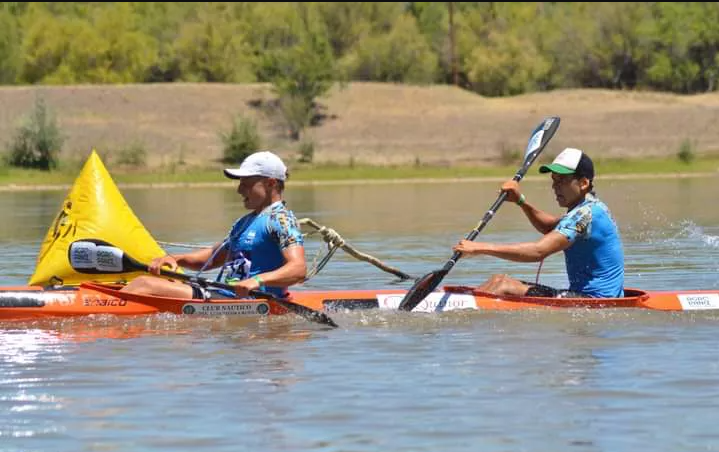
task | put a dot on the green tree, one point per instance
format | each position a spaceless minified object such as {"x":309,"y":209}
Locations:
{"x":213,"y":48}
{"x":566,"y":36}
{"x":400,"y":55}
{"x":433,"y":24}
{"x":300,"y":72}
{"x":686,"y":45}
{"x":162,"y":21}
{"x":347,"y":23}
{"x":9,"y":47}
{"x":103,"y":48}
{"x":506,"y":65}
{"x":498,"y":52}
{"x":46,"y":41}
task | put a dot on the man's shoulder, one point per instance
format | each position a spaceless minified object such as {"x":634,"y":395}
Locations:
{"x":591,"y":206}
{"x":283,"y":225}
{"x":280,"y":210}
{"x":600,"y":207}
{"x":281,"y":217}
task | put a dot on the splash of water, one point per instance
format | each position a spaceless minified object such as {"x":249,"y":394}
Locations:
{"x":692,"y":231}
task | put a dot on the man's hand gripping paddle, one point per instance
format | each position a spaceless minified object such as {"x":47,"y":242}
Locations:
{"x":425,"y":285}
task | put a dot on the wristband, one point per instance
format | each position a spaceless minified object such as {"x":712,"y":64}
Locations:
{"x":259,"y":280}
{"x":521,"y":199}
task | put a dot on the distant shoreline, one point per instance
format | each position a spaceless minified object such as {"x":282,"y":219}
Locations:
{"x":378,"y":181}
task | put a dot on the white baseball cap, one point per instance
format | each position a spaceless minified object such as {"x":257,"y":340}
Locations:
{"x":262,"y":163}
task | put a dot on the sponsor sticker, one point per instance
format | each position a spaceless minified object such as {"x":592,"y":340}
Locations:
{"x":95,"y":300}
{"x":82,"y":255}
{"x":109,"y":259}
{"x":692,"y":302}
{"x":434,"y":302}
{"x":210,"y":309}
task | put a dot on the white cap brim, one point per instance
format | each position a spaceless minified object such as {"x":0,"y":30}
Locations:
{"x":265,"y":164}
{"x":237,"y":174}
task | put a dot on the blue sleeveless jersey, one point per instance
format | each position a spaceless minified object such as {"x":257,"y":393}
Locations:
{"x":256,"y":242}
{"x":595,"y":260}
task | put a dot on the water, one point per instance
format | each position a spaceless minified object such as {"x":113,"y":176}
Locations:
{"x":611,"y":380}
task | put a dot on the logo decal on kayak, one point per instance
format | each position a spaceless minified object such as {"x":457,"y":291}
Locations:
{"x":434,"y":302}
{"x":691,"y":302}
{"x":210,"y":309}
{"x":97,"y":300}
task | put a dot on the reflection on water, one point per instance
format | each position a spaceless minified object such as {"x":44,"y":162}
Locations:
{"x":584,"y":380}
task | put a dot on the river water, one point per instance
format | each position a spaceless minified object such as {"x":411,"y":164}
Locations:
{"x":604,"y":380}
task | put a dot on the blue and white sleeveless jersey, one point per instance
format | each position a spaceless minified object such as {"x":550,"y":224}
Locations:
{"x":595,"y":260}
{"x":256,"y":242}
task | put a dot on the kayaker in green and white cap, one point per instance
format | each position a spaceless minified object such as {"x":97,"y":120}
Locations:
{"x":586,"y":233}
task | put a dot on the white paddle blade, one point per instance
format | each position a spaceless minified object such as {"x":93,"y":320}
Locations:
{"x":83,"y":255}
{"x":108,"y":259}
{"x":534,"y":142}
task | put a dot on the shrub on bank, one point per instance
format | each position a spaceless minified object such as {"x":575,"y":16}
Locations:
{"x":38,"y":141}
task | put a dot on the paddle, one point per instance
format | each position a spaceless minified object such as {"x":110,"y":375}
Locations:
{"x":94,"y":256}
{"x":425,"y":285}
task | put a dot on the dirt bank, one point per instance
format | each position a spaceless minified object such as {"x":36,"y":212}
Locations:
{"x":369,"y":122}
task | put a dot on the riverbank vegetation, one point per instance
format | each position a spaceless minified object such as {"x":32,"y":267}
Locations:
{"x":491,"y":48}
{"x":329,"y":85}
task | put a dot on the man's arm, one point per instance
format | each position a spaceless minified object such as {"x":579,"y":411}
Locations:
{"x":194,"y":260}
{"x":542,"y":221}
{"x":292,"y":272}
{"x":519,"y":252}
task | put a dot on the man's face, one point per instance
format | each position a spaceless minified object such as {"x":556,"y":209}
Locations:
{"x":568,"y":189}
{"x":255,"y":191}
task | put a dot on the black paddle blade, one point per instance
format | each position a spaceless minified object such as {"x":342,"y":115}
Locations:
{"x":307,"y":313}
{"x":421,"y":289}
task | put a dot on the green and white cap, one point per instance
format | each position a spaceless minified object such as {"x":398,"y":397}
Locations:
{"x":571,"y":161}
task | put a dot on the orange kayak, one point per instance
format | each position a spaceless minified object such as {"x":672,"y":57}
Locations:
{"x":33,"y":302}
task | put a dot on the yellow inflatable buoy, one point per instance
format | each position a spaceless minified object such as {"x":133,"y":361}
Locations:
{"x":94,"y":209}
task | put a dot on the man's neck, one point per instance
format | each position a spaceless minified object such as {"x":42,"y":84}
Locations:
{"x":267,"y":204}
{"x":579,"y":201}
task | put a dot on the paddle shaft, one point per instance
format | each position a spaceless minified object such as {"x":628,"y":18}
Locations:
{"x":529,"y":159}
{"x":475,"y":232}
{"x":201,"y":281}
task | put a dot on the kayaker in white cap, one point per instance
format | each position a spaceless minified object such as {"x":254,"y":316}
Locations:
{"x":263,"y":250}
{"x":586,"y":233}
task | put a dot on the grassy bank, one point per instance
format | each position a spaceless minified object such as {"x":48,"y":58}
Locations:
{"x":19,"y":178}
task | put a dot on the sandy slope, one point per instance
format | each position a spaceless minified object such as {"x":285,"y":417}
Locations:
{"x":369,"y":122}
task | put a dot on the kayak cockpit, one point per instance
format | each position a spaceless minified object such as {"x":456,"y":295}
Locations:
{"x":632,"y":298}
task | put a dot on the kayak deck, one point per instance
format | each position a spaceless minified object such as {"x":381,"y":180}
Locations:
{"x":32,"y":302}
